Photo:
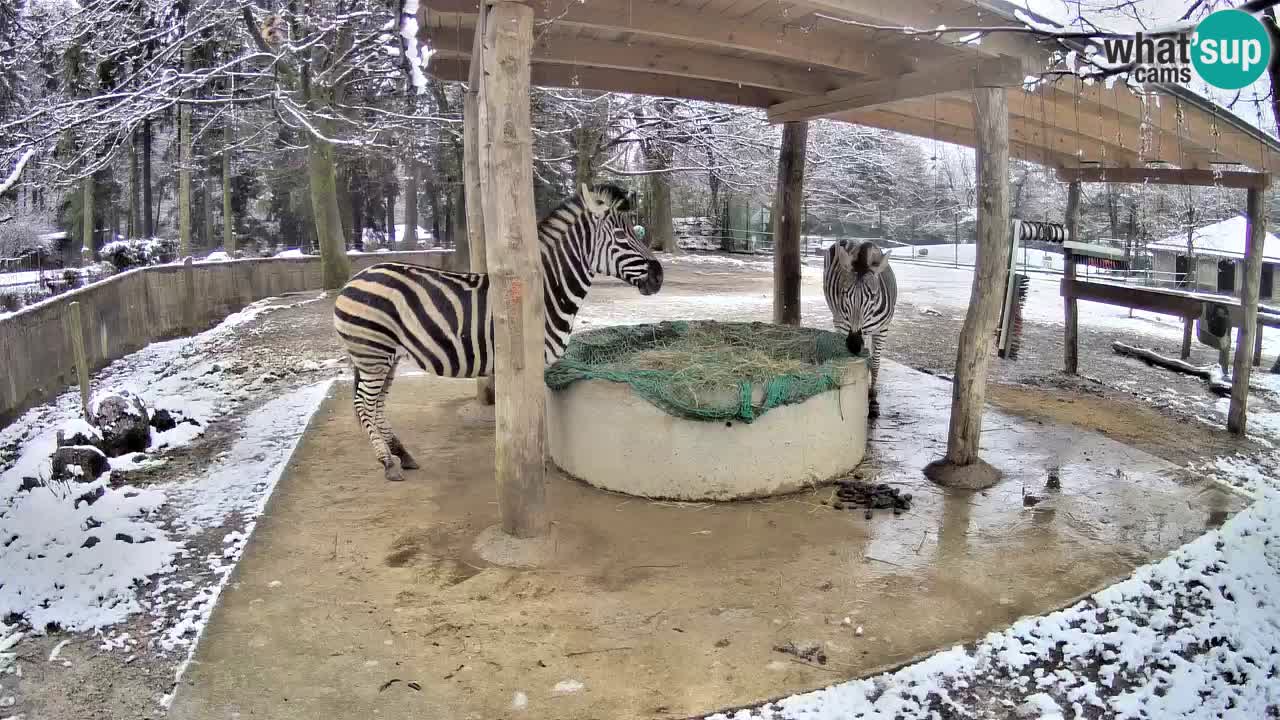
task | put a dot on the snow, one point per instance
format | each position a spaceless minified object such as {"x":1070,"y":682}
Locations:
{"x":215,"y":256}
{"x":291,"y":253}
{"x":52,"y":579}
{"x":75,"y":564}
{"x":567,"y":687}
{"x":1221,"y":239}
{"x":12,"y":178}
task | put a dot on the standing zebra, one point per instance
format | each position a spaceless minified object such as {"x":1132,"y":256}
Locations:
{"x":443,"y":319}
{"x":861,"y":293}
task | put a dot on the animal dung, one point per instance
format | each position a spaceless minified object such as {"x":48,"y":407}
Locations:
{"x":865,"y":496}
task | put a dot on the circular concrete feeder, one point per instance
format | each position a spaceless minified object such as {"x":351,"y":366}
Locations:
{"x":606,"y":435}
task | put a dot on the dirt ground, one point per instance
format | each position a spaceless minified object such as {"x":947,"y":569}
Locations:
{"x":353,"y":587}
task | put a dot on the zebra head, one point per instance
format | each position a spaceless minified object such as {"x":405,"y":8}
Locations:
{"x":859,"y":264}
{"x":615,"y":249}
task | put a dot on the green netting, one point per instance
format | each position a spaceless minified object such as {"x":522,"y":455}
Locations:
{"x":706,"y":370}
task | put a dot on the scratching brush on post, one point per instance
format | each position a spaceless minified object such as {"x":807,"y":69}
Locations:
{"x":1021,"y":285}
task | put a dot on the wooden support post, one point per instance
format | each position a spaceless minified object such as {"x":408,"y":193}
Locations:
{"x":189,"y":290}
{"x":1070,"y":339}
{"x":515,"y":266}
{"x":961,"y":467}
{"x":787,"y":224}
{"x":1187,"y":324}
{"x":471,"y":180}
{"x":75,"y":331}
{"x":1238,"y":412}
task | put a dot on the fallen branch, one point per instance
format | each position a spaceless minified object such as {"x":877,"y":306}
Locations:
{"x":1206,"y":372}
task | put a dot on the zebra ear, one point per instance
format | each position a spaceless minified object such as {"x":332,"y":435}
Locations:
{"x":870,"y":259}
{"x":841,"y":256}
{"x":593,"y":203}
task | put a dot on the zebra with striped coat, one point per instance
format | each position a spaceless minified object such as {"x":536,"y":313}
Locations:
{"x":861,"y":293}
{"x":444,"y":321}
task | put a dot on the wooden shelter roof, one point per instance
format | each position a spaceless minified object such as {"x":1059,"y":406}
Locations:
{"x":797,"y":60}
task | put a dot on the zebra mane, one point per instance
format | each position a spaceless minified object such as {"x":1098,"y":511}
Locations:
{"x":599,"y":198}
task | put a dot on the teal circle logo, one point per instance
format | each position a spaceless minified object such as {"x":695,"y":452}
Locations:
{"x":1231,"y":49}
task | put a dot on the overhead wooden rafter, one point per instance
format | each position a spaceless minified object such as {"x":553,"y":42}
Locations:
{"x":660,"y":21}
{"x":1168,"y":176}
{"x":780,"y":54}
{"x":1001,"y":71}
{"x":557,"y":49}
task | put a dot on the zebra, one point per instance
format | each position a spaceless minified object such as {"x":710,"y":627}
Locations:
{"x":444,"y":321}
{"x":861,"y":293}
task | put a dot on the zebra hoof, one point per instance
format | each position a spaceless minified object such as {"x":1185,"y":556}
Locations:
{"x":392,"y":469}
{"x":406,"y":460}
{"x":873,"y":409}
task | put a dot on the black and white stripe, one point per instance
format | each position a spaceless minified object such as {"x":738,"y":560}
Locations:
{"x":861,"y":292}
{"x":443,"y":320}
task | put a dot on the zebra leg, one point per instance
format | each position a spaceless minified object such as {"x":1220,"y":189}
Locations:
{"x":384,"y":426}
{"x":877,"y":350}
{"x":368,"y":393}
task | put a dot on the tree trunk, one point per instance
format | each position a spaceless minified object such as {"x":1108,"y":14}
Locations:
{"x":661,"y":231}
{"x":786,"y":224}
{"x":961,"y":467}
{"x":515,"y":269}
{"x":411,"y":205}
{"x":134,"y":227}
{"x":87,"y":223}
{"x":322,"y":175}
{"x":357,"y":218}
{"x":1237,"y":414}
{"x":148,"y":216}
{"x":228,"y":217}
{"x":391,"y":224}
{"x":477,"y":254}
{"x":207,"y":199}
{"x":1070,"y":338}
{"x":184,"y":167}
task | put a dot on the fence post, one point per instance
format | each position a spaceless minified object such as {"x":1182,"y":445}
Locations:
{"x":71,"y":320}
{"x":189,"y":307}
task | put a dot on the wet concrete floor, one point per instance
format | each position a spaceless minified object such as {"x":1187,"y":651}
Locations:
{"x":651,"y":609}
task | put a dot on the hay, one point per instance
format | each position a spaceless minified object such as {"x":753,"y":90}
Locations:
{"x":708,"y":370}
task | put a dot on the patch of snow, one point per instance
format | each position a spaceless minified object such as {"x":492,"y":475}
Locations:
{"x":567,"y":687}
{"x":78,"y":426}
{"x":54,"y":577}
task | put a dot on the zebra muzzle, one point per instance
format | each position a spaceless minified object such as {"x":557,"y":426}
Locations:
{"x":652,"y":281}
{"x":854,"y":343}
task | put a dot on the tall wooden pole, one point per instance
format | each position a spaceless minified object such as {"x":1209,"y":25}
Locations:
{"x":1237,"y":415}
{"x":787,"y":224}
{"x":515,"y":266}
{"x":961,"y":467}
{"x":1070,"y":338}
{"x":471,"y":179}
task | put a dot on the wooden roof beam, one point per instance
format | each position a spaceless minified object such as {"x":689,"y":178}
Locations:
{"x":953,"y":134}
{"x":790,"y":43}
{"x":941,"y":78}
{"x":588,"y":52}
{"x":1168,"y":176}
{"x":957,"y":110}
{"x":606,"y":80}
{"x":929,"y":14}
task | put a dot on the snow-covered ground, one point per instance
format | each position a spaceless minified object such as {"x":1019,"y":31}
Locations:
{"x":87,"y":566}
